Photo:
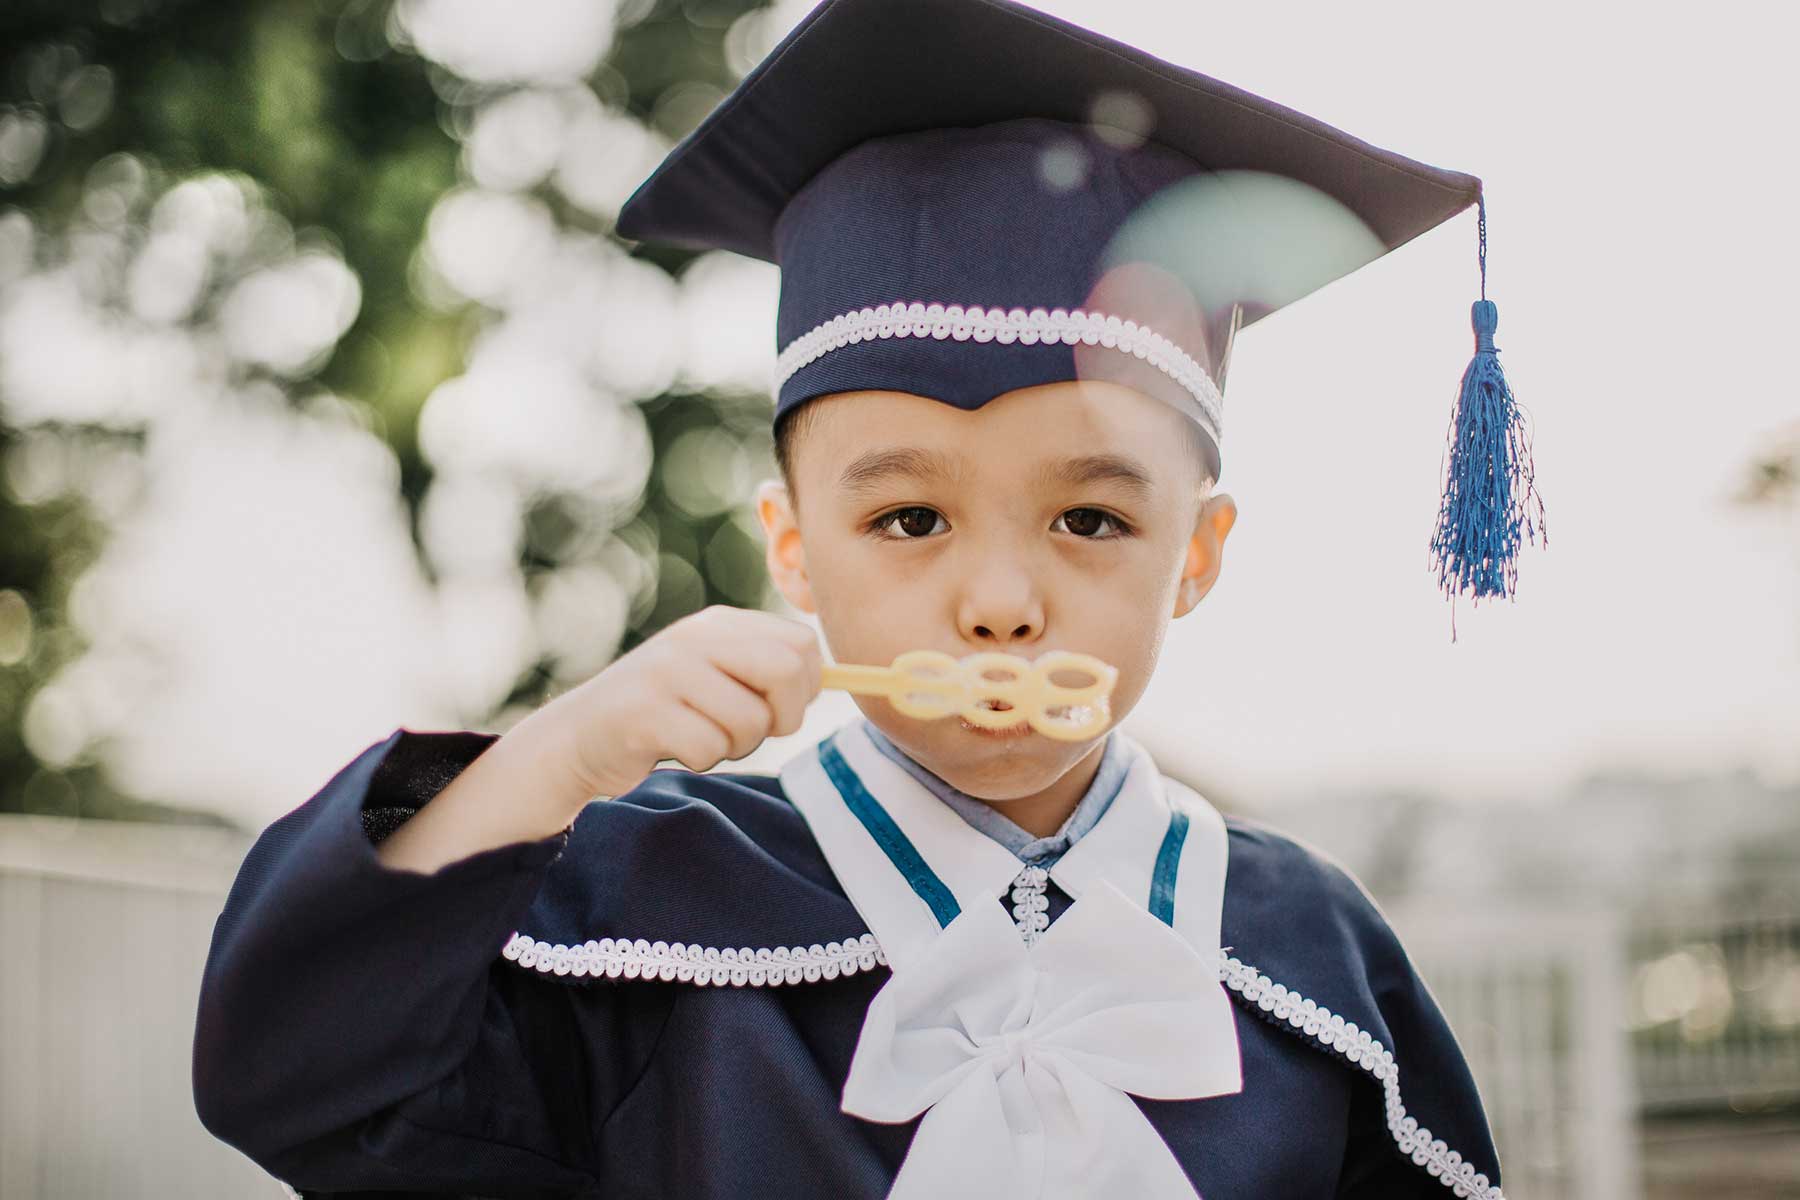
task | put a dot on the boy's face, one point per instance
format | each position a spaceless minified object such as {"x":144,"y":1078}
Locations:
{"x":1065,"y":516}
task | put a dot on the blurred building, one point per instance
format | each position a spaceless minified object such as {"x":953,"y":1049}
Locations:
{"x":1622,"y":964}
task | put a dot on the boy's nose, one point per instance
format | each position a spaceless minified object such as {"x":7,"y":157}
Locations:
{"x":1019,"y":633}
{"x":1000,"y":608}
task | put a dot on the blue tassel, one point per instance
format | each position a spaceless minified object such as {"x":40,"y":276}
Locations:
{"x":1487,"y":506}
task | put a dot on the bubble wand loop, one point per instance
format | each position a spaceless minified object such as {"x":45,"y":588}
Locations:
{"x":929,"y":684}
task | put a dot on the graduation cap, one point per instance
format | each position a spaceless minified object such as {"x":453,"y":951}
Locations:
{"x":971,"y":196}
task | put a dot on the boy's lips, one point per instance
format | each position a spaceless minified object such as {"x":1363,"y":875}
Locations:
{"x":1010,"y":731}
{"x":1007,"y":731}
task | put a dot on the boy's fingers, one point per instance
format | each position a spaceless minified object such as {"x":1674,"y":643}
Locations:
{"x":778,"y":672}
{"x":812,"y":655}
{"x":693,"y":739}
{"x":804,"y":639}
{"x":786,"y":630}
{"x":721,"y":622}
{"x":743,"y":713}
{"x":797,"y":633}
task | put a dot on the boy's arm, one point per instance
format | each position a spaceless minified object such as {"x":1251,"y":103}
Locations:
{"x":354,"y":1029}
{"x":349,"y":1029}
{"x":710,"y":687}
{"x":1373,"y":1167}
{"x":519,"y":789}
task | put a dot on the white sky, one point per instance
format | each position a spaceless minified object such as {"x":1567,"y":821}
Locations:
{"x":1642,"y":257}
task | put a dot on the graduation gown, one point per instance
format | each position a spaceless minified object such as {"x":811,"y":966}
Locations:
{"x":665,"y":1000}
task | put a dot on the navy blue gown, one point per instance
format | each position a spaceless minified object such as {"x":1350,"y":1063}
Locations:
{"x":360,"y":1031}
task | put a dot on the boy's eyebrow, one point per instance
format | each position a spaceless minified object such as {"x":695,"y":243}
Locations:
{"x":874,"y":466}
{"x":1098,"y":468}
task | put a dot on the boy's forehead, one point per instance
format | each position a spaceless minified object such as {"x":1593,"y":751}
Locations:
{"x":1077,"y":410}
{"x":1072,"y":431}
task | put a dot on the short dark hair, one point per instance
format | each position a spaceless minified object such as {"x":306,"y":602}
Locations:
{"x":788,"y":428}
{"x":792,"y":425}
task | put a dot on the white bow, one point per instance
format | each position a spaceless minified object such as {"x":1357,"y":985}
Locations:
{"x":1023,"y":1056}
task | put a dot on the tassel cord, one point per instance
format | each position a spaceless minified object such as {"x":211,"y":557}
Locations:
{"x":1490,"y":503}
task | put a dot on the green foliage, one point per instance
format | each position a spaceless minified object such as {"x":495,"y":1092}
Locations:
{"x":352,"y":142}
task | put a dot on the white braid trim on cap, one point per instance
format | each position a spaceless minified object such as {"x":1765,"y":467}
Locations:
{"x":900,"y":319}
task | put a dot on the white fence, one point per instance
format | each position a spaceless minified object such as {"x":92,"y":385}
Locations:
{"x":105,"y":928}
{"x":1536,"y":998}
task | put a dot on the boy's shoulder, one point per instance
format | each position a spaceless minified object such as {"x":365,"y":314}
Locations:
{"x":715,"y":859}
{"x":1302,"y":918}
{"x":1275,"y":875}
{"x":723,"y":817}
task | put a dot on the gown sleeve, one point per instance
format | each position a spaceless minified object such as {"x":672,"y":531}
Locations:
{"x":356,"y":1030}
{"x":1373,"y":1169}
{"x":1430,"y":1133}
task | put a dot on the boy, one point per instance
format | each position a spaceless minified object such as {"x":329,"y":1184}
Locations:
{"x":929,"y":959}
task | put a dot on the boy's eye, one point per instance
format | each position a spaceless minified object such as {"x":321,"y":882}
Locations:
{"x":916,"y":521}
{"x":1089,"y":522}
{"x":913,"y":521}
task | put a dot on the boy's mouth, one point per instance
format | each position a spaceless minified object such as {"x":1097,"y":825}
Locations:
{"x":1007,"y":731}
{"x":1080,"y":714}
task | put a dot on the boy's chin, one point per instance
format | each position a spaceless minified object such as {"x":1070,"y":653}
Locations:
{"x":989,"y":765}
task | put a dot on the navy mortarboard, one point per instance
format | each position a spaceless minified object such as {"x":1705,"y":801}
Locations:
{"x":971,"y":196}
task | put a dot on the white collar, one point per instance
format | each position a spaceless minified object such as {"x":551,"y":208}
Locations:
{"x":1122,"y":848}
{"x":1020,"y":1060}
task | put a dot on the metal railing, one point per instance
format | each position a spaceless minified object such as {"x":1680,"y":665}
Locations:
{"x":1715,"y":1000}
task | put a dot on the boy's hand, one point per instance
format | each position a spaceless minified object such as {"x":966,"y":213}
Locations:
{"x":709,"y":687}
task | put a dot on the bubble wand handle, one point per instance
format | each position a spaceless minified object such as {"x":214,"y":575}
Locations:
{"x":864,"y":680}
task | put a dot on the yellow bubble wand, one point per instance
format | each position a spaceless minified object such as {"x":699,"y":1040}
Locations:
{"x":929,"y":684}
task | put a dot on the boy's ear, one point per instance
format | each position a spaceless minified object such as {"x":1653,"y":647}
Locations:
{"x":1205,"y":551}
{"x":783,"y":551}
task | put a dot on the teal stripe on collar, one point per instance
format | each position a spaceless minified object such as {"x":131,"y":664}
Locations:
{"x":1168,"y":861}
{"x":898,"y":847}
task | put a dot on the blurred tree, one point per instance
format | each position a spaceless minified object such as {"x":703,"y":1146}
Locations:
{"x":311,"y":110}
{"x":1773,"y":478}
